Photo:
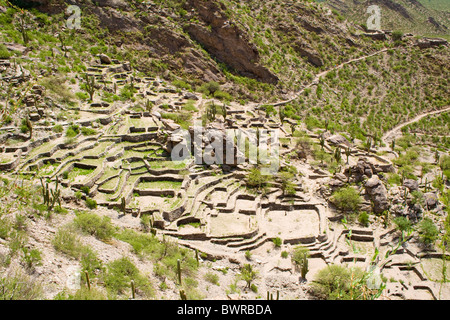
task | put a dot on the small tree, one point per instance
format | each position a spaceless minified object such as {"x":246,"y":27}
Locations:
{"x":428,"y":232}
{"x":89,"y":85}
{"x":224,"y":112}
{"x":248,"y":274}
{"x":287,"y":186}
{"x":256,"y":179}
{"x":300,"y":258}
{"x":346,"y":199}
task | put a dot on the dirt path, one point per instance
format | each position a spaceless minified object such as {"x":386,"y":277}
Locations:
{"x":397,"y":128}
{"x":323,"y":73}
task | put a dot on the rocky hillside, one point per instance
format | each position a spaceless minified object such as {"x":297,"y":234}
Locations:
{"x":425,"y":18}
{"x":95,"y":208}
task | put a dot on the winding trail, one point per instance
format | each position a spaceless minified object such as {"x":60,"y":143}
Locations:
{"x":323,"y":73}
{"x":394,"y":130}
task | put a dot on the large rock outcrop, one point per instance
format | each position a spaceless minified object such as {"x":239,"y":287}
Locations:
{"x":377,"y":192}
{"x":227,"y":42}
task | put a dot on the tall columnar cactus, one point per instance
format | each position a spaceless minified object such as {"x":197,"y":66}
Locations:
{"x":179,"y":271}
{"x":123,"y":205}
{"x":224,"y":112}
{"x":211,"y":113}
{"x":282,"y":116}
{"x":347,"y":153}
{"x":22,"y":28}
{"x":89,"y":82}
{"x":338,"y":155}
{"x":133,"y":290}
{"x":30,"y":128}
{"x":51,"y":196}
{"x":196,"y":257}
{"x":304,"y":269}
{"x":322,"y":141}
{"x":88,"y":282}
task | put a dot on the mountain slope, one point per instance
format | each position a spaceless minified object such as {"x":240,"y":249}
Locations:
{"x":425,"y":18}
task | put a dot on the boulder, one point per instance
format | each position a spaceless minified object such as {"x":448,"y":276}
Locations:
{"x":190,"y":96}
{"x":425,"y":43}
{"x":156,"y":114}
{"x":377,"y":193}
{"x":411,"y":184}
{"x":362,"y":170}
{"x":104,"y":59}
{"x":337,"y":139}
{"x":431,"y":200}
{"x":170,"y":124}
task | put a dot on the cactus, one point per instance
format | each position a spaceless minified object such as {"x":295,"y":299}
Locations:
{"x":322,"y":141}
{"x":148,"y":105}
{"x":282,"y":116}
{"x":87,"y":280}
{"x":337,"y":155}
{"x":51,"y":196}
{"x":304,"y":269}
{"x":211,"y":113}
{"x":30,"y":128}
{"x":133,"y":290}
{"x":90,"y":85}
{"x":179,"y":271}
{"x":22,"y":28}
{"x":224,"y":112}
{"x":123,"y":205}
{"x":270,"y":295}
{"x":347,"y":153}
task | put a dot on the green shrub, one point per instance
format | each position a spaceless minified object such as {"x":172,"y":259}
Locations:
{"x":91,"y":203}
{"x":58,"y":128}
{"x":428,"y":232}
{"x":397,"y":35}
{"x":212,"y":278}
{"x":248,"y":274}
{"x":164,"y":255}
{"x":31,"y":258}
{"x":346,"y":199}
{"x":20,"y":286}
{"x":83,"y":293}
{"x":67,"y":242}
{"x":256,"y":179}
{"x":72,"y":131}
{"x":363,"y":218}
{"x":224,"y":96}
{"x":100,"y":227}
{"x":56,"y":85}
{"x":298,"y":255}
{"x":83,"y":96}
{"x":334,"y":282}
{"x":182,"y":84}
{"x":403,"y":224}
{"x":88,"y":131}
{"x":85,"y":189}
{"x":209,"y":88}
{"x":4,"y":52}
{"x":277,"y":242}
{"x":119,"y":275}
